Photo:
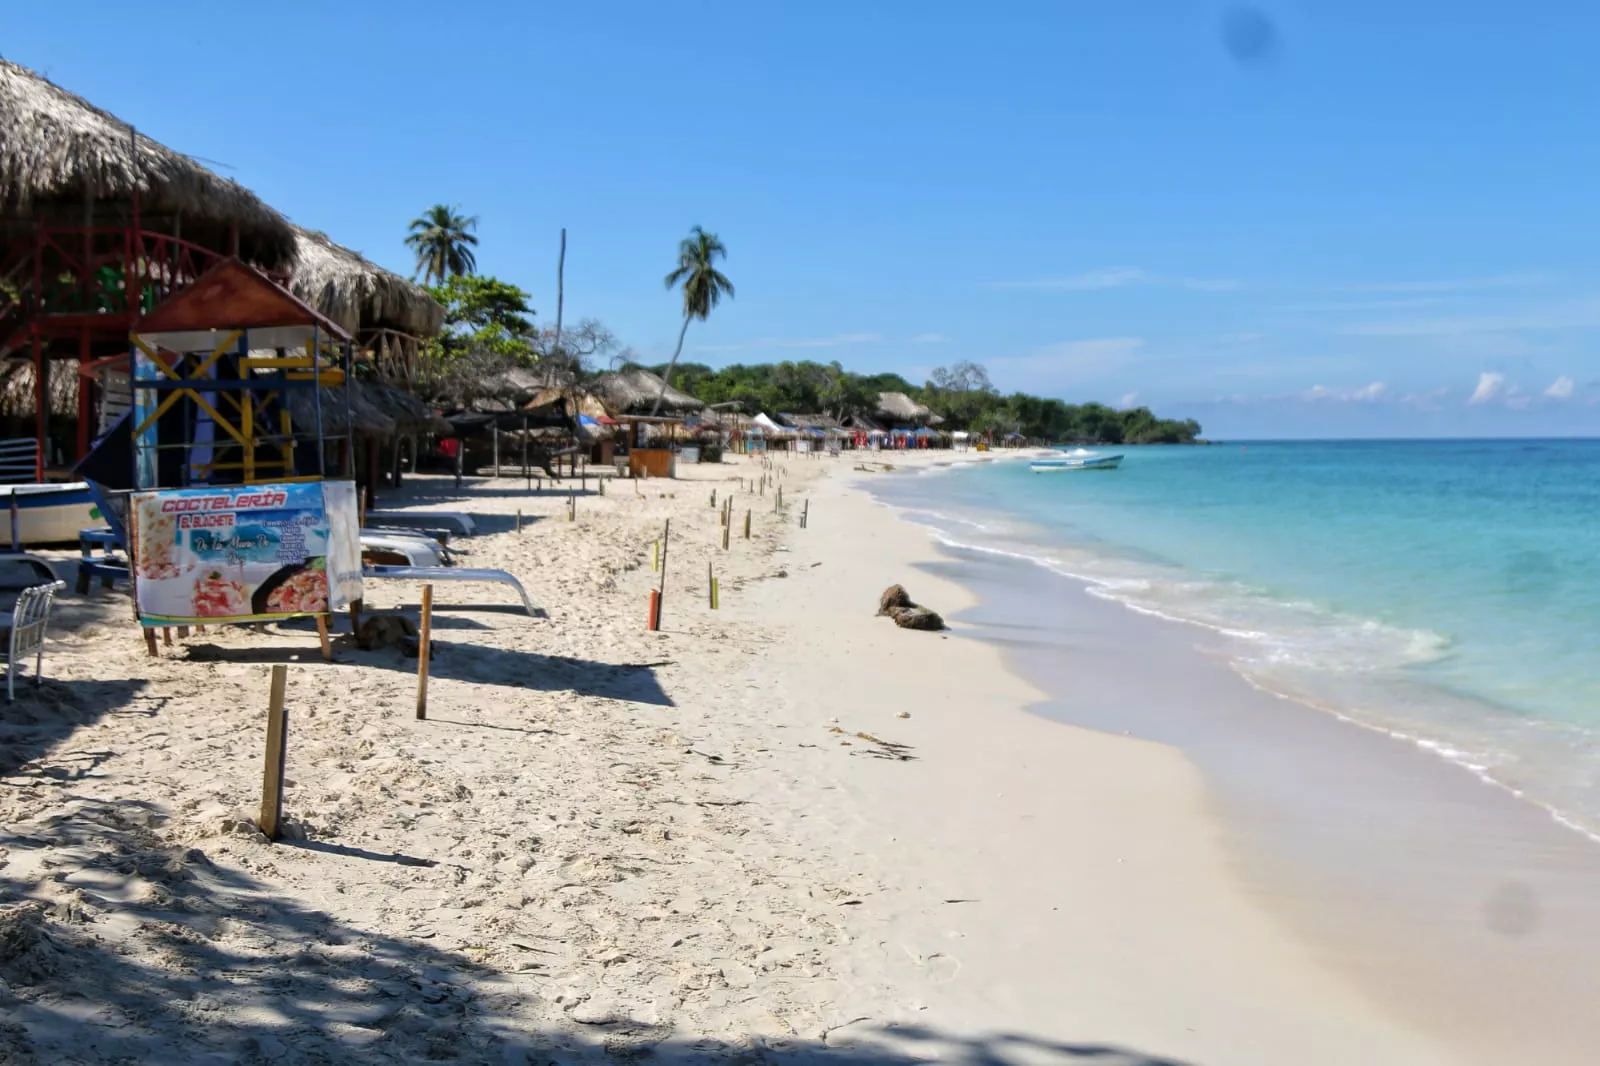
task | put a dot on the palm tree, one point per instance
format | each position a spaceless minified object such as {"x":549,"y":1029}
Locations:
{"x":703,"y":287}
{"x":443,"y":243}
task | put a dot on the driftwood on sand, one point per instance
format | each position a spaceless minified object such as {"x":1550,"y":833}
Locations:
{"x":896,"y":602}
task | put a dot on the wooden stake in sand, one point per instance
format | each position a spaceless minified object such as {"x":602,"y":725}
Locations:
{"x":666,"y":533}
{"x":805,"y":513}
{"x":572,"y":506}
{"x":747,"y":524}
{"x":519,"y":520}
{"x":713,"y":498}
{"x":322,"y":638}
{"x":277,"y":752}
{"x":424,"y":652}
{"x":727,"y":530}
{"x":711,"y":584}
{"x":600,"y":483}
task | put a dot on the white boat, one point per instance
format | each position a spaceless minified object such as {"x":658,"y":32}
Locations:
{"x":1079,"y":460}
{"x":47,"y":514}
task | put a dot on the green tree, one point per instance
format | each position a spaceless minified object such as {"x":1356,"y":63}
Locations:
{"x":703,"y":284}
{"x":483,"y":314}
{"x":443,"y":241}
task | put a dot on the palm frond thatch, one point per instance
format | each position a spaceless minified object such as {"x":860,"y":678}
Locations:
{"x":359,"y":294}
{"x":634,"y":391}
{"x":17,"y":397}
{"x":369,"y":418}
{"x":897,"y":407}
{"x":58,"y":150}
{"x":410,"y":415}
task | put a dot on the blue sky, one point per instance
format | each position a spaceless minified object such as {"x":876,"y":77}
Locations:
{"x":1386,"y":227}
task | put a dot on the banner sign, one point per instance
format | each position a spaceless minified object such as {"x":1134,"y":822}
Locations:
{"x":245,"y":553}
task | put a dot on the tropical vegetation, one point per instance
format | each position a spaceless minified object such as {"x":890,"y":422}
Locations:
{"x":960,"y":394}
{"x":443,"y":242}
{"x":703,"y":286}
{"x":489,"y":329}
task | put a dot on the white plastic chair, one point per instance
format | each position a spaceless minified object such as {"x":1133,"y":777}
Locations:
{"x":29,"y":620}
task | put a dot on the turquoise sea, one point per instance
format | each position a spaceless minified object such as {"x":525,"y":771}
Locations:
{"x":1446,"y":592}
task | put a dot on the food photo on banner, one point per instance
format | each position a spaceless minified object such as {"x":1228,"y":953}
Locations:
{"x":246,"y":553}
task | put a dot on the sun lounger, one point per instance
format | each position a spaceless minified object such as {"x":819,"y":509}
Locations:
{"x":454,"y":520}
{"x":448,"y":573}
{"x":25,"y":634}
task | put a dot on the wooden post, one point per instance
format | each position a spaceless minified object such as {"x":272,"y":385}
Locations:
{"x":805,"y":512}
{"x":519,"y":520}
{"x":600,"y":483}
{"x":277,"y":751}
{"x":711,"y":585}
{"x":424,"y":652}
{"x":727,"y":530}
{"x":666,"y":534}
{"x":150,"y":642}
{"x":747,"y":524}
{"x":322,"y":638}
{"x":572,"y":506}
{"x":655,"y":557}
{"x":713,"y":499}
{"x":166,"y":635}
{"x":495,"y":434}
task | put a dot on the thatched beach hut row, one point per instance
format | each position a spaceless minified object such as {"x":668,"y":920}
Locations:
{"x":99,"y":224}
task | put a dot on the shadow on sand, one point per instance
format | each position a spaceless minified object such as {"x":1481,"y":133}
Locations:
{"x":628,"y":682}
{"x":220,"y":968}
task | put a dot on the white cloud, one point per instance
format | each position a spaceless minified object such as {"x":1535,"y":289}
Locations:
{"x":1370,"y":393}
{"x":1116,"y":278}
{"x":1560,"y":389}
{"x":1072,"y":360}
{"x":838,"y":340}
{"x":929,"y":338}
{"x":1089,"y":280}
{"x":1572,"y":314}
{"x":1498,"y":281}
{"x":1490,"y":384}
{"x":1370,"y":305}
{"x":1128,"y":400}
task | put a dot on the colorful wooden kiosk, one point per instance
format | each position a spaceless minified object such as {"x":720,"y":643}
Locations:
{"x":234,"y":517}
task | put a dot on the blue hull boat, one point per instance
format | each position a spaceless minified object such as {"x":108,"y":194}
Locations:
{"x":1075,"y":462}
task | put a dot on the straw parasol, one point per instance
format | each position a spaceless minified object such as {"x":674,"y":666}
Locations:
{"x":57,"y":150}
{"x":357,"y":293}
{"x":634,"y":391}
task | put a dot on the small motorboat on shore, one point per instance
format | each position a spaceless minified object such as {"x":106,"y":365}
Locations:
{"x":46,"y":513}
{"x":1076,"y":460}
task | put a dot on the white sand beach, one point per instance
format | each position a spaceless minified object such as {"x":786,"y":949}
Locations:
{"x":606,"y":841}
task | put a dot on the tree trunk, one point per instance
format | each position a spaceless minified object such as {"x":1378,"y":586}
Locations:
{"x":666,"y":379}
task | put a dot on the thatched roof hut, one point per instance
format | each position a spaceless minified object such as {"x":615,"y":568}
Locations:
{"x":357,"y":293}
{"x":410,"y":415}
{"x":897,"y":407}
{"x":809,"y":421}
{"x":634,"y":392}
{"x":580,"y":401}
{"x":58,"y":152}
{"x":17,"y":398}
{"x":370,"y":419}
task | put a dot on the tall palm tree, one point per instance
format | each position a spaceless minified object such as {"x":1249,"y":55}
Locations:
{"x":443,"y":241}
{"x":704,"y":286}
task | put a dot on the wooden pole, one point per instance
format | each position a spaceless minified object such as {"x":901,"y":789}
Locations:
{"x":747,"y":524}
{"x":277,"y":751}
{"x":519,"y":520}
{"x":322,"y":638}
{"x":572,"y":506}
{"x":424,"y":652}
{"x":666,"y":533}
{"x":711,"y":585}
{"x":727,"y":530}
{"x":805,"y":513}
{"x":495,"y":434}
